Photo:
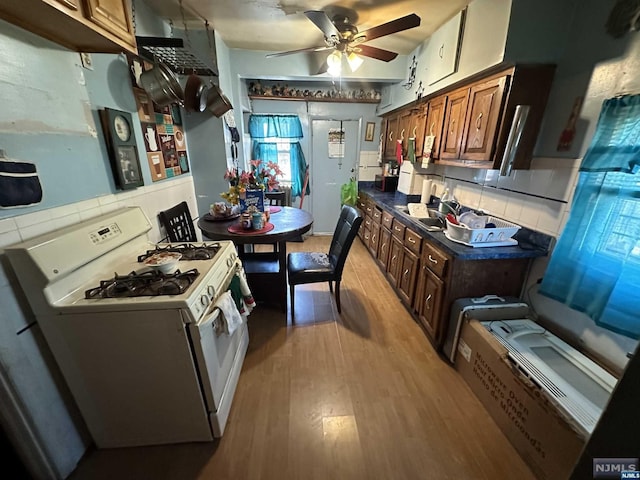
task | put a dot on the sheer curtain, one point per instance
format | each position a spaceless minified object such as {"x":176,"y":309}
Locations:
{"x":264,"y":128}
{"x":595,"y":268}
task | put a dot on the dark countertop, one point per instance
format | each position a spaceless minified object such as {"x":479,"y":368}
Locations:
{"x":531,"y":244}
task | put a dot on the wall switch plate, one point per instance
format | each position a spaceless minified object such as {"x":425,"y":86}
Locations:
{"x":87,"y":61}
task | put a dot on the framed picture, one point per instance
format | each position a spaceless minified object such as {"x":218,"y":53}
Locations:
{"x":122,"y":147}
{"x":368,"y":133}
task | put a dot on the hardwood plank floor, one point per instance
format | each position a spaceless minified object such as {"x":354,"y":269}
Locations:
{"x":362,"y":395}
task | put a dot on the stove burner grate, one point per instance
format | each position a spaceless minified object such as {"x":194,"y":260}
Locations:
{"x":150,"y":283}
{"x":189,"y":251}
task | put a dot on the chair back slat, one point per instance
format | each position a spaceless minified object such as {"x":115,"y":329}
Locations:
{"x":178,"y":223}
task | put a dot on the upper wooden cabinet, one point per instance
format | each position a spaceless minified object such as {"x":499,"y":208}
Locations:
{"x":434,"y":122}
{"x":392,"y":134}
{"x":112,"y":15}
{"x":418,"y":122}
{"x":454,"y":118}
{"x":490,"y":120}
{"x":103,"y":26}
{"x":485,"y":102}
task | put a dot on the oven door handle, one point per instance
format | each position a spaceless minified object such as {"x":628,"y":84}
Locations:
{"x":212,"y":317}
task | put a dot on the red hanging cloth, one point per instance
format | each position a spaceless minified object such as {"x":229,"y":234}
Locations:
{"x":399,"y":152}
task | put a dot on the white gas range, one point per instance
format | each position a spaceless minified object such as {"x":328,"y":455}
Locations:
{"x":146,"y":369}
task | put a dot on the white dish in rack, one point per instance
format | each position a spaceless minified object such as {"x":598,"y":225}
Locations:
{"x":509,"y":242}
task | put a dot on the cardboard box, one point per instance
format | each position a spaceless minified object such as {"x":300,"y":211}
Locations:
{"x":252,"y":198}
{"x":541,"y":434}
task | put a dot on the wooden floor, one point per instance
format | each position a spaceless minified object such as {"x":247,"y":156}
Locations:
{"x":357,"y":396}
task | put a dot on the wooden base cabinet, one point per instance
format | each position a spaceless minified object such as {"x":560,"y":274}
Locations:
{"x":384,"y":248}
{"x":427,"y":280}
{"x":428,"y":301}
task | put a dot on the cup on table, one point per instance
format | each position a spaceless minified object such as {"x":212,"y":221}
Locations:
{"x":256,"y":221}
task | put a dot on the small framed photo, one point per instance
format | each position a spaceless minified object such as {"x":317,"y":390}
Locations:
{"x":369,"y":131}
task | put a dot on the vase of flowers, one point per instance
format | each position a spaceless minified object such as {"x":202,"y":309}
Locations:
{"x":247,"y":188}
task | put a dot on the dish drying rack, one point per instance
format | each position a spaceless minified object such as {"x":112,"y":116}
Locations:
{"x":500,"y":236}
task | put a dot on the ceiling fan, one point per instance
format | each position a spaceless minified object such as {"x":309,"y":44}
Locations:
{"x":343,"y":37}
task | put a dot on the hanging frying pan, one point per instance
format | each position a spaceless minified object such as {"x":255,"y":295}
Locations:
{"x":217,"y":103}
{"x":161,"y":85}
{"x":195,"y":94}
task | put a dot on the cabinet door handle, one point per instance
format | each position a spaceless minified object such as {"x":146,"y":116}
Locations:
{"x":441,"y":51}
{"x":383,"y":247}
{"x":513,"y":140}
{"x":406,"y":272}
{"x":432,"y":260}
{"x":412,"y":240}
{"x":402,"y":134}
{"x":479,"y":121}
{"x":391,"y":136}
{"x":415,"y":130}
{"x":433,"y":124}
{"x":373,"y":237}
{"x":451,"y":125}
{"x":393,"y":259}
{"x":426,"y":300}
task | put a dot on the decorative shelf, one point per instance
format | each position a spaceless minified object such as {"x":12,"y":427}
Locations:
{"x":314,"y":99}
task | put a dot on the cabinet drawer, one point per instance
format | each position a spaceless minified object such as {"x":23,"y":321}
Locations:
{"x":368,"y":222}
{"x":412,"y":241}
{"x":368,"y":208}
{"x":397,"y":230}
{"x":387,"y":220}
{"x":362,"y":205}
{"x":377,"y":215}
{"x":435,"y":260}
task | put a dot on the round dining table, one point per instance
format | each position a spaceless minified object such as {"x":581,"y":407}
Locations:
{"x":266,"y":271}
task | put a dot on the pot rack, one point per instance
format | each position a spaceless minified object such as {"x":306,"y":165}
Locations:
{"x":173,"y":53}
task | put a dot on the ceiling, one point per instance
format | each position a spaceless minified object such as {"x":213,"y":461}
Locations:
{"x":280,"y":25}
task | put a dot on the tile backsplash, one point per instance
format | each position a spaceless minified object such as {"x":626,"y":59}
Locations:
{"x":151,"y":198}
{"x":538,"y":198}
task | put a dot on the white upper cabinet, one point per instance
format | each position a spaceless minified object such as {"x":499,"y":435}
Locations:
{"x":443,"y":49}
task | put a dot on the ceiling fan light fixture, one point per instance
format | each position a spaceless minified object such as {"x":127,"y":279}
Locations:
{"x":354,"y":61}
{"x":334,"y":63}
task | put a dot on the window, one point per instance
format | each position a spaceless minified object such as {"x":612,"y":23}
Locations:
{"x":283,"y":148}
{"x":595,"y":268}
{"x":276,"y":139}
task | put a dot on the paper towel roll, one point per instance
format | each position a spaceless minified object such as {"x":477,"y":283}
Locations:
{"x":427,"y":187}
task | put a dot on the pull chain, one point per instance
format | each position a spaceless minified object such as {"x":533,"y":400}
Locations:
{"x":184,"y":24}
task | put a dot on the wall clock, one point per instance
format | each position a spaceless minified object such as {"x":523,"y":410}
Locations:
{"x":122,"y":148}
{"x":122,"y":127}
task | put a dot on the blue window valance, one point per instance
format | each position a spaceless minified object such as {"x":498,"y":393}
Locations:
{"x":275,"y":126}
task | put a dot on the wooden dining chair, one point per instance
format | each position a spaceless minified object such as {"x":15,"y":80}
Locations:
{"x":313,"y":267}
{"x":178,"y":223}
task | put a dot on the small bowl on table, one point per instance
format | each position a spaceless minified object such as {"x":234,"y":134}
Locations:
{"x":165,"y":262}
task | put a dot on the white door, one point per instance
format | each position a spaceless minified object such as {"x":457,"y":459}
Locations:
{"x":334,"y":161}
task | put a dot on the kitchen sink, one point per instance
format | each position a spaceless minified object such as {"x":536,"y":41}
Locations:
{"x":434,"y":222}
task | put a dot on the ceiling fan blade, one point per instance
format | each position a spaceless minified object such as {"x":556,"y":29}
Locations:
{"x":324,"y":23}
{"x":373,"y":52}
{"x":394,"y":26}
{"x":301,"y":50}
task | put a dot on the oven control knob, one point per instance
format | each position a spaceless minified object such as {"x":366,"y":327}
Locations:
{"x":204,"y":300}
{"x":211,"y":291}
